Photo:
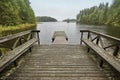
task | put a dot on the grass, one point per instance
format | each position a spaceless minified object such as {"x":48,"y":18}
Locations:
{"x":7,"y":30}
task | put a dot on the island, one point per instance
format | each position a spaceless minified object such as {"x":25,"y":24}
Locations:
{"x":69,"y":20}
{"x":45,"y":19}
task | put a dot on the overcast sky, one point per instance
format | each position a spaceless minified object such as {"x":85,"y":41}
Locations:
{"x":62,"y":9}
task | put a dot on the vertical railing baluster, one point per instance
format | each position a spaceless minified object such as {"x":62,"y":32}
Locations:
{"x":88,"y":38}
{"x":101,"y":42}
{"x":115,"y":53}
{"x":37,"y":31}
{"x":15,"y":63}
{"x":81,"y":38}
{"x":101,"y":63}
{"x":20,"y":40}
{"x":88,"y":35}
{"x":97,"y":41}
{"x":0,"y":52}
{"x":38,"y":38}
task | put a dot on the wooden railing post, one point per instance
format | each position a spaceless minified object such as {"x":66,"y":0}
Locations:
{"x":88,"y":35}
{"x":15,"y":63}
{"x":97,"y":41}
{"x":20,"y":41}
{"x":88,"y":38}
{"x":37,"y":31}
{"x":115,"y":53}
{"x":101,"y":63}
{"x":81,"y":38}
{"x":0,"y":53}
{"x":38,"y":38}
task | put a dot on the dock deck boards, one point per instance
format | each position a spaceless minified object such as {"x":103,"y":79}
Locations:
{"x":60,"y":37}
{"x":58,"y":62}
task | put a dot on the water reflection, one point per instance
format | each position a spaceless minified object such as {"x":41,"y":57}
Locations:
{"x":71,"y":29}
{"x":113,"y":31}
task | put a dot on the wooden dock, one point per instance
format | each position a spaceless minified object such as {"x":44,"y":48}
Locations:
{"x":59,"y":37}
{"x":60,"y":60}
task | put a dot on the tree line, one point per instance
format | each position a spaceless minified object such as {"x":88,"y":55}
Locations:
{"x":45,"y":19}
{"x":69,"y":20}
{"x":13,"y":12}
{"x":101,"y":15}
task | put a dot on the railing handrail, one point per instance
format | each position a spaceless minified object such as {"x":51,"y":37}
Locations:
{"x":16,"y":35}
{"x":13,"y":36}
{"x":103,"y":35}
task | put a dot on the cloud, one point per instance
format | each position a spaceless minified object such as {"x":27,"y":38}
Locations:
{"x":61,"y":9}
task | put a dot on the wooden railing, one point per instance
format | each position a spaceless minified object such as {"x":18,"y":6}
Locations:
{"x":37,"y":32}
{"x":16,"y":45}
{"x":106,"y":47}
{"x":103,"y":40}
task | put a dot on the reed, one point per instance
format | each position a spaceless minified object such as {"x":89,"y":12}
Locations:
{"x":7,"y":30}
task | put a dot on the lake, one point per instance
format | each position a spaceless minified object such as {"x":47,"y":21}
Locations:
{"x":72,"y":30}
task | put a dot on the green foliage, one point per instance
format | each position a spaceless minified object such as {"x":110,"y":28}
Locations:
{"x":25,"y":11}
{"x":13,"y":12}
{"x":102,"y":14}
{"x":114,"y":14}
{"x":94,"y":15}
{"x":46,"y":19}
{"x":69,"y":20}
{"x":7,"y":30}
{"x":8,"y":13}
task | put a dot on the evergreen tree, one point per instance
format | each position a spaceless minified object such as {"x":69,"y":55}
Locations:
{"x":13,"y":12}
{"x":102,"y":14}
{"x":8,"y":13}
{"x":114,"y":14}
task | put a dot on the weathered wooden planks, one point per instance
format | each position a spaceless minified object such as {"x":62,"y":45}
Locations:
{"x":58,"y":62}
{"x":59,"y":37}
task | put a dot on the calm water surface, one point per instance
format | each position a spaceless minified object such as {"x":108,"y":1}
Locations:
{"x":72,"y":30}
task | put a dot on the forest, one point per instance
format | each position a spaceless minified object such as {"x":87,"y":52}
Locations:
{"x":45,"y":19}
{"x":70,"y":20}
{"x":101,"y":15}
{"x":15,"y":12}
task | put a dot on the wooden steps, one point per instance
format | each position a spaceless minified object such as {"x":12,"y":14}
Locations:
{"x":58,"y":62}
